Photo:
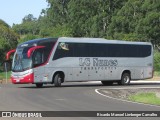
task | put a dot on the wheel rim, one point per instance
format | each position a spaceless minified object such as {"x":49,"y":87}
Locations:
{"x":126,"y":79}
{"x":59,"y":80}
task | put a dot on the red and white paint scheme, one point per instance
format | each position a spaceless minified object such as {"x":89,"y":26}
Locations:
{"x":23,"y":77}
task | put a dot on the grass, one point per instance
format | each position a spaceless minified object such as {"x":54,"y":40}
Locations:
{"x":3,"y":76}
{"x":147,"y":98}
{"x":157,"y":73}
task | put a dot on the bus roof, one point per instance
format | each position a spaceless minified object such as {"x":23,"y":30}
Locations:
{"x":36,"y":41}
{"x":98,"y":40}
{"x":79,"y":40}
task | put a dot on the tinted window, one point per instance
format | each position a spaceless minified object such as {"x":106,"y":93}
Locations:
{"x":80,"y":49}
{"x":124,"y":50}
{"x":38,"y":57}
{"x":63,"y":50}
{"x":101,"y":50}
{"x":97,"y":50}
{"x":48,"y":48}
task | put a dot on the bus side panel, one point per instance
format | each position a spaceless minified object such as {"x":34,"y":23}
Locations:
{"x":64,"y":65}
{"x":39,"y":74}
{"x":51,"y":71}
{"x":112,"y":73}
{"x":148,"y":72}
{"x":138,"y":73}
{"x":77,"y":68}
{"x":96,"y":73}
{"x":79,"y":74}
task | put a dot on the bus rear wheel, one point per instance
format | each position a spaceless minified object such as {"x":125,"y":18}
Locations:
{"x":39,"y":85}
{"x":125,"y":80}
{"x":57,"y":80}
{"x":107,"y":82}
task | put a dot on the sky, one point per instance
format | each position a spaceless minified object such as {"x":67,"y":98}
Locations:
{"x":13,"y":11}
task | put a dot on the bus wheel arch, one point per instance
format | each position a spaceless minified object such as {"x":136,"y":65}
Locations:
{"x":125,"y":78}
{"x":58,"y":78}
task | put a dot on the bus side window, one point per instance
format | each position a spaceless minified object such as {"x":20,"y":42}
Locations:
{"x":63,"y":50}
{"x":38,"y":58}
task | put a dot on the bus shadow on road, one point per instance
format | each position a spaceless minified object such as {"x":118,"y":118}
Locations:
{"x":63,"y":86}
{"x":144,"y":84}
{"x":89,"y":85}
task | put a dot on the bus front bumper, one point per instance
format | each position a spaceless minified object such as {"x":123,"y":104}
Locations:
{"x":23,"y":80}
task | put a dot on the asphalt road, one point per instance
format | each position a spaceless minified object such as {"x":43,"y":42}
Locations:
{"x":70,"y":97}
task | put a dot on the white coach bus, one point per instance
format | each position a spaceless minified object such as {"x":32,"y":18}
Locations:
{"x":58,"y":60}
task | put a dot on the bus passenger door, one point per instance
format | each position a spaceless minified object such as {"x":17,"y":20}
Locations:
{"x":39,"y":74}
{"x":38,"y":62}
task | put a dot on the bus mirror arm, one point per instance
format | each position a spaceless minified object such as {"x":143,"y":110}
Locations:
{"x":32,"y":49}
{"x":9,"y":53}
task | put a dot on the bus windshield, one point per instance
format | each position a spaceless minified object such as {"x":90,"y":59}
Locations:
{"x":20,"y":61}
{"x":30,"y":55}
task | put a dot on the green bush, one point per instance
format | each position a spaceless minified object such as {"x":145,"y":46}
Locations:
{"x":157,"y":61}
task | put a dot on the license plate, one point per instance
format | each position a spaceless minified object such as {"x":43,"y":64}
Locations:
{"x":17,"y":80}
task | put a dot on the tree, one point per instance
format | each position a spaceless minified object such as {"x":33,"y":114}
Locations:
{"x":29,"y":26}
{"x":137,"y":20}
{"x":149,"y":25}
{"x":8,"y":39}
{"x":29,"y":18}
{"x":85,"y":17}
{"x":133,"y":20}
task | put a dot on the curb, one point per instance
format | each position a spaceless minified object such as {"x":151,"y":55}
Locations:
{"x":142,"y":81}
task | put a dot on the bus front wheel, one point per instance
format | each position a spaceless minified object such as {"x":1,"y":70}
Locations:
{"x":57,"y":80}
{"x":125,"y":80}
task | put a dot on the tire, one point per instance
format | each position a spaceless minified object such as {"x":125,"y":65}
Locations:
{"x":39,"y":85}
{"x":107,"y":83}
{"x":125,"y":80}
{"x":57,"y":80}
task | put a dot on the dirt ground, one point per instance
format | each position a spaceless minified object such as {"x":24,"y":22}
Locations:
{"x":155,"y":78}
